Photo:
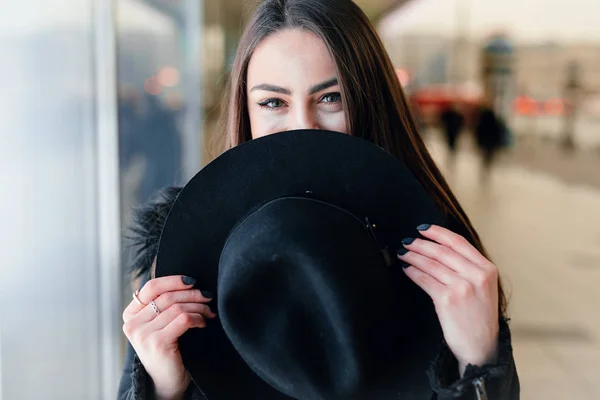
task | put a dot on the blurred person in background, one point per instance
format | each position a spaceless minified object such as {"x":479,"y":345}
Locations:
{"x":129,"y":124}
{"x":490,"y":132}
{"x":572,"y":93}
{"x":452,"y":121}
{"x":150,"y":143}
{"x":160,"y":144}
{"x":295,"y":70}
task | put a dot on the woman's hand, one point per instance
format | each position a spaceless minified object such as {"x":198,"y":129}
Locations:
{"x":464,"y":287}
{"x":154,"y":334}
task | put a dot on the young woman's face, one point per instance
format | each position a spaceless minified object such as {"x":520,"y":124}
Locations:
{"x":292,"y":84}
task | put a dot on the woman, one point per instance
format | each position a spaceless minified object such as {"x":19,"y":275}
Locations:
{"x":320,"y":64}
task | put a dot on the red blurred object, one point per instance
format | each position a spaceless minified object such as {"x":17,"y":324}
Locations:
{"x":526,"y":106}
{"x":428,"y":102}
{"x":554,"y":106}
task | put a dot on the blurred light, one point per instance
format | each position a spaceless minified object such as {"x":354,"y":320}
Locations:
{"x":168,"y":77}
{"x":554,"y":106}
{"x":152,"y":86}
{"x":525,"y":105}
{"x":403,"y":76}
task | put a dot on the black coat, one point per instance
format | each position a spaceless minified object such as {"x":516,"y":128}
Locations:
{"x":500,"y":380}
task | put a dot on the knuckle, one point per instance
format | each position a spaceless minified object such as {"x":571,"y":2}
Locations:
{"x":185,"y":319}
{"x":492,"y":270}
{"x":178,"y":309}
{"x":431,"y":265}
{"x":167,"y":298}
{"x":150,"y":286}
{"x":482,"y":279}
{"x":436,"y":252}
{"x":457,"y":241}
{"x":442,"y":253}
{"x":487,"y":277}
{"x":463,"y":290}
{"x":128,"y":330}
{"x":421,"y":278}
{"x":202,"y":308}
{"x":457,"y":293}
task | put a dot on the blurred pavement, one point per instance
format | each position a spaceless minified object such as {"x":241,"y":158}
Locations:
{"x":544,"y":236}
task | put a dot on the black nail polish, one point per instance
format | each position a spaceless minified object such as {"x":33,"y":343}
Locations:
{"x":423,"y":227}
{"x":188,"y":280}
{"x":401,"y":251}
{"x":407,"y":241}
{"x":404,"y":264}
{"x":207,"y":294}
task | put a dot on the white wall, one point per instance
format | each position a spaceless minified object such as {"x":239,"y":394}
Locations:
{"x":59,"y":201}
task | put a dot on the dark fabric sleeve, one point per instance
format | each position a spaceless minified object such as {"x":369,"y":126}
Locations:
{"x":500,"y":379}
{"x":136,"y":384}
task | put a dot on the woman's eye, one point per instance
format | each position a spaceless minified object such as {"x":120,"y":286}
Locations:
{"x":331,"y":98}
{"x":272,"y":103}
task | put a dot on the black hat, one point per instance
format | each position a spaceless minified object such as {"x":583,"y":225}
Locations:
{"x":295,"y":233}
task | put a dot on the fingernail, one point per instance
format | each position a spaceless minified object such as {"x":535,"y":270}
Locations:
{"x":404,"y":264}
{"x":188,"y":280}
{"x":407,"y":241}
{"x":401,"y":251}
{"x":207,"y":294}
{"x":423,"y":227}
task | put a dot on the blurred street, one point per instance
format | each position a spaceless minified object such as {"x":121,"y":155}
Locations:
{"x":544,"y":236}
{"x":106,"y":102}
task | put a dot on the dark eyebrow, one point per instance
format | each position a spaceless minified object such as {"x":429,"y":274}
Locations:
{"x":278,"y":89}
{"x":323,"y":86}
{"x":271,"y":88}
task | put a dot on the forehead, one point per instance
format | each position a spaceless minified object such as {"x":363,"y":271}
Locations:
{"x":292,"y":55}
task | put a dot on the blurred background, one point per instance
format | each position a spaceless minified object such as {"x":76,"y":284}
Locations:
{"x":103,"y":102}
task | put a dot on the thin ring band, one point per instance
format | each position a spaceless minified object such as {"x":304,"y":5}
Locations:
{"x":137,"y":299}
{"x":154,"y":307}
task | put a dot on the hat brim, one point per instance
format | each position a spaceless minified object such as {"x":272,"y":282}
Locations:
{"x":336,"y":168}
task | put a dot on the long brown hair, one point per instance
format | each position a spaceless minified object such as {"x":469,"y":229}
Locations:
{"x":376,"y":108}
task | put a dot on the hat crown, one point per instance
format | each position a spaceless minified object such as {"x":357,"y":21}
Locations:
{"x":307,"y":300}
{"x":338,"y":169}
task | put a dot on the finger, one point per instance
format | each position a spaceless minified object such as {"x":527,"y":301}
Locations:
{"x":435,"y":269}
{"x":166,"y":300}
{"x":165,"y":317}
{"x":428,"y":283}
{"x":153,"y":289}
{"x":132,"y":309}
{"x":442,"y":254}
{"x":177,"y":327}
{"x":456,"y":242}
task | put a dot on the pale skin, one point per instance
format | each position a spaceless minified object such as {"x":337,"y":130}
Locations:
{"x":292,"y":84}
{"x":155,"y":337}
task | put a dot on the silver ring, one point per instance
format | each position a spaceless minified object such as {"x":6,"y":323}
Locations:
{"x":137,"y":299}
{"x":153,"y":305}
